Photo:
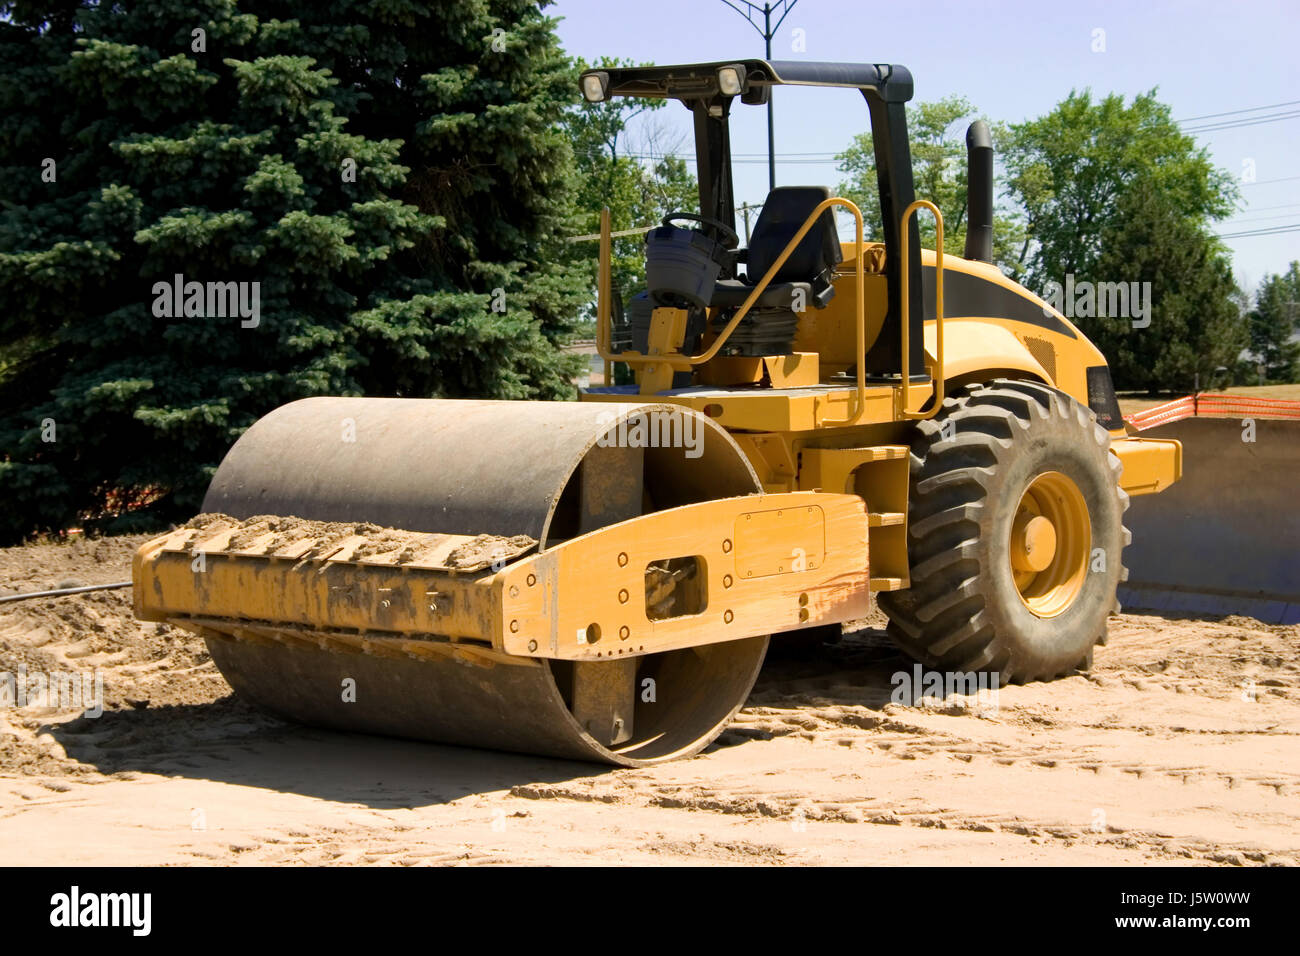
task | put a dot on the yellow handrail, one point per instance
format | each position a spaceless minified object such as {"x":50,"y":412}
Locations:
{"x":936,"y":379}
{"x":860,"y":393}
{"x":635,"y":358}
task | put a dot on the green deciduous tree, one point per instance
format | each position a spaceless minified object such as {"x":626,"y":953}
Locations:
{"x":1115,"y":192}
{"x":1071,"y":169}
{"x":623,"y":161}
{"x":937,"y":136}
{"x":390,"y":175}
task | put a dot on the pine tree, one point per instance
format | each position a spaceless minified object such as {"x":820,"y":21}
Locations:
{"x":1274,"y":322}
{"x":386,"y":173}
{"x":1191,"y":324}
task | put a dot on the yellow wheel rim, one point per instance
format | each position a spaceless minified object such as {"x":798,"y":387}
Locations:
{"x":1051,"y":540}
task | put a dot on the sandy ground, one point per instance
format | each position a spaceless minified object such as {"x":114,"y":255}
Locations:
{"x":1180,"y":747}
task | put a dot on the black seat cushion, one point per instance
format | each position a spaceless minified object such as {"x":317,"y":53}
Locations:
{"x":732,"y":293}
{"x":783,"y":213}
{"x":809,"y":266}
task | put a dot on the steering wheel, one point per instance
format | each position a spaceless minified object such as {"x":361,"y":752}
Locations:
{"x":728,"y":234}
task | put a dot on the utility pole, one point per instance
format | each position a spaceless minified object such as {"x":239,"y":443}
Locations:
{"x":767,"y":31}
{"x":744,"y":211}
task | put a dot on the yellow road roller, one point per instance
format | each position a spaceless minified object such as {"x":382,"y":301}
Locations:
{"x":784,"y":431}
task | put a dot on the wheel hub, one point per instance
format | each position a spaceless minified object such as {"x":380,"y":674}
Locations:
{"x":1050,"y":546}
{"x":1033,"y":542}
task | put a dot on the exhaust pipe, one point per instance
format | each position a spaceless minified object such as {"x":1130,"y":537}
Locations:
{"x":979,"y":192}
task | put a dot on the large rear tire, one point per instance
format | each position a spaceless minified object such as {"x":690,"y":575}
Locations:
{"x":1015,"y":535}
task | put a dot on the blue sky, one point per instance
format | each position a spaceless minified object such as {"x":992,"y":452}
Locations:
{"x":1013,"y":60}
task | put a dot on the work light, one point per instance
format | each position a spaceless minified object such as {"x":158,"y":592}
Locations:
{"x":594,"y":86}
{"x":731,"y":80}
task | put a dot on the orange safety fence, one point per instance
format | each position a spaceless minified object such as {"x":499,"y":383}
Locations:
{"x":1212,"y":405}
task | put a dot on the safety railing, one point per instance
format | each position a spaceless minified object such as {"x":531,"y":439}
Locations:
{"x":604,"y":324}
{"x":936,"y":372}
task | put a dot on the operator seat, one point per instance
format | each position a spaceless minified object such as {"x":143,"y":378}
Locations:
{"x":810,"y":266}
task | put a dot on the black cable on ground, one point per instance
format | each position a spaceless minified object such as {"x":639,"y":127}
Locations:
{"x":60,"y":592}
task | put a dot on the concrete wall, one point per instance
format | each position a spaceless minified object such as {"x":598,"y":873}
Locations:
{"x":1226,"y":538}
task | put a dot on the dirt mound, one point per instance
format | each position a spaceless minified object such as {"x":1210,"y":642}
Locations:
{"x":313,"y":539}
{"x":65,"y":659}
{"x":39,"y":567}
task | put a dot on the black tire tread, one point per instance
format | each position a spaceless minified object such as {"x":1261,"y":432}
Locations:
{"x":939,"y":620}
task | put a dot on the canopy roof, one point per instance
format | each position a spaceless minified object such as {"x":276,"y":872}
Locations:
{"x":890,"y":82}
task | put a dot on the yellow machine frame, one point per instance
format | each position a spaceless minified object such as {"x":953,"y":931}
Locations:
{"x":771,"y":561}
{"x":833,"y":463}
{"x":851,"y":439}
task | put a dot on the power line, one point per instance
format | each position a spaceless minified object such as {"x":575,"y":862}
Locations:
{"x":757,"y":159}
{"x":1285,"y":205}
{"x":1204,"y":128}
{"x":1234,"y":220}
{"x":822,"y":153}
{"x":1265,"y":182}
{"x":788,"y":162}
{"x":1249,"y":109}
{"x":1269,"y":231}
{"x":1257,"y":121}
{"x":592,"y":236}
{"x":826,"y":159}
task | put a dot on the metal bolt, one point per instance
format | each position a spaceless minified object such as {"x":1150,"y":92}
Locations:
{"x":622,"y":560}
{"x":514,"y":627}
{"x":624,"y":633}
{"x":532,"y":646}
{"x":532,"y":579}
{"x":514,"y":590}
{"x":622,"y":597}
{"x":726,"y":580}
{"x":726,"y":545}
